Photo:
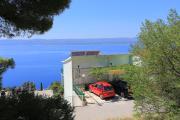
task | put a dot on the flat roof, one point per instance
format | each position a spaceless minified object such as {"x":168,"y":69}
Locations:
{"x":84,"y":53}
{"x":100,"y":55}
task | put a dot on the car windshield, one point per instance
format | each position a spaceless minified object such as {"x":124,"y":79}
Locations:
{"x":108,"y":88}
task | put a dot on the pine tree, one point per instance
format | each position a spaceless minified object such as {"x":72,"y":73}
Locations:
{"x":41,"y":86}
{"x":28,"y":17}
{"x":5,"y":64}
{"x":156,"y":83}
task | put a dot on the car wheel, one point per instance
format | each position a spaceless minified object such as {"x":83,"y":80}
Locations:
{"x":101,"y":96}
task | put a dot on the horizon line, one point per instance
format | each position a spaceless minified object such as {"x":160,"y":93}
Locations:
{"x":67,"y":38}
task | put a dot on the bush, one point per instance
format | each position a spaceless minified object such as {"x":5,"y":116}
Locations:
{"x":27,"y":106}
{"x":57,"y":88}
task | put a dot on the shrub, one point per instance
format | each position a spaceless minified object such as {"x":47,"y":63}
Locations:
{"x":27,"y":106}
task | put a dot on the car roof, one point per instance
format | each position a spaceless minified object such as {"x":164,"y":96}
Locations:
{"x":104,"y":83}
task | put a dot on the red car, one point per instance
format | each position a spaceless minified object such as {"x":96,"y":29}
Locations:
{"x":102,"y":89}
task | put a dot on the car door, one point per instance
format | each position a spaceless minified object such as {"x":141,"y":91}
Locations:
{"x":94,"y":88}
{"x":99,"y":89}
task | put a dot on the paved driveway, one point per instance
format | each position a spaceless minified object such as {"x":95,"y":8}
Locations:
{"x":91,"y":98}
{"x":107,"y":109}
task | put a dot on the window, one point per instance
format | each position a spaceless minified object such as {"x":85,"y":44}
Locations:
{"x":99,"y":86}
{"x":108,"y":88}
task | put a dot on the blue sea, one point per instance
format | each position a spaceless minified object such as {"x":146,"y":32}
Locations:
{"x":41,"y":60}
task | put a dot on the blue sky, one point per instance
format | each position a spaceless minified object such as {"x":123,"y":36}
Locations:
{"x":107,"y":18}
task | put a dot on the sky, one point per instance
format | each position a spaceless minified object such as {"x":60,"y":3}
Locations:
{"x":107,"y":18}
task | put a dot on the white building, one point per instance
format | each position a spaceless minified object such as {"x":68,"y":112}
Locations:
{"x":44,"y":93}
{"x":76,"y":68}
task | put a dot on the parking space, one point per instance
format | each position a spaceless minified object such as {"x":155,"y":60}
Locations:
{"x":91,"y":98}
{"x":118,"y":109}
{"x":98,"y":109}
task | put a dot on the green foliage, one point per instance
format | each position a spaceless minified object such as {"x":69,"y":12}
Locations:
{"x":26,"y":106}
{"x":29,"y":86}
{"x":156,"y":83}
{"x":28,"y":17}
{"x":41,"y":86}
{"x":57,"y":88}
{"x":99,"y":73}
{"x":102,"y":73}
{"x":5,"y":64}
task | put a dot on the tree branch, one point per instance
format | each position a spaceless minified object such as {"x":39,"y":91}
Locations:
{"x":177,"y":73}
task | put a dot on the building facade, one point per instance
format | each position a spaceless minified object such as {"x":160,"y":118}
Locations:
{"x":76,"y":69}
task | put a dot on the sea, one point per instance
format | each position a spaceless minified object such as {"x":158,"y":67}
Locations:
{"x":40,"y":60}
